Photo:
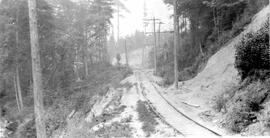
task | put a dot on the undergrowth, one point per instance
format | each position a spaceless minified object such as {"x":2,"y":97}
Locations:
{"x":147,"y":117}
{"x":61,"y":102}
{"x":245,"y":105}
{"x":242,"y":105}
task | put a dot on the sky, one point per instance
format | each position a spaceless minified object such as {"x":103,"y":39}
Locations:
{"x":130,"y":22}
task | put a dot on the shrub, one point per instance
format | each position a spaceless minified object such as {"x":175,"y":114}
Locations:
{"x":224,"y":38}
{"x":220,"y":103}
{"x":29,"y":130}
{"x":147,"y":117}
{"x":116,"y":129}
{"x":168,"y":74}
{"x":239,"y":118}
{"x":265,"y":116}
{"x":253,"y":53}
{"x":118,"y":58}
{"x":246,"y":105}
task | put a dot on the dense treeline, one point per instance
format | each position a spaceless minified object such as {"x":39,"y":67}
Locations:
{"x":72,"y":39}
{"x":72,"y":36}
{"x":133,"y":42}
{"x":205,"y":26}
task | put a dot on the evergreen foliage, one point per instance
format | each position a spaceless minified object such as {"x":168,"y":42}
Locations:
{"x":252,"y":54}
{"x":206,"y":26}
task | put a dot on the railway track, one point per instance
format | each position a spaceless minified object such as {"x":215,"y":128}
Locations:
{"x":168,"y":113}
{"x":159,"y":115}
{"x":215,"y":133}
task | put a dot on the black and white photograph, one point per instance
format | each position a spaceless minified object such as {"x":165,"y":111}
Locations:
{"x":134,"y":68}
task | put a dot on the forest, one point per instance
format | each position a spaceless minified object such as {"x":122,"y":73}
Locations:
{"x":72,"y":39}
{"x":56,"y":63}
{"x":204,"y":26}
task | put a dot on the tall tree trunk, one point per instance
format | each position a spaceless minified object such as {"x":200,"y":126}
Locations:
{"x":4,"y":86}
{"x":36,"y":69}
{"x":104,"y":50}
{"x":126,"y":52}
{"x":143,"y":55}
{"x":91,"y":59}
{"x":16,"y":93}
{"x":18,"y":88}
{"x":118,"y":23}
{"x":214,"y":18}
{"x":176,"y":43}
{"x":159,"y":34}
{"x":185,"y":22}
{"x":76,"y":65}
{"x":201,"y":49}
{"x":155,"y":45}
{"x":214,"y":4}
{"x":99,"y":50}
{"x":17,"y":74}
{"x":85,"y":53}
{"x":218,"y":21}
{"x":194,"y":36}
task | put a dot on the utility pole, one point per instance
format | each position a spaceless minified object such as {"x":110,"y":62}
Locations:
{"x":159,"y":33}
{"x":155,"y":44}
{"x":118,"y":22}
{"x":143,"y":53}
{"x":155,"y":41}
{"x":126,"y":53}
{"x":176,"y":43}
{"x":159,"y":39}
{"x":36,"y":69}
{"x":145,"y":25}
{"x":145,"y":44}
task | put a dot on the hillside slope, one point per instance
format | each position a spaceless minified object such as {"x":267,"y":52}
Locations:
{"x":219,"y":73}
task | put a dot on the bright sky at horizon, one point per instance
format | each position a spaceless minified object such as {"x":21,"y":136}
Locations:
{"x":133,"y":21}
{"x":130,"y":22}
